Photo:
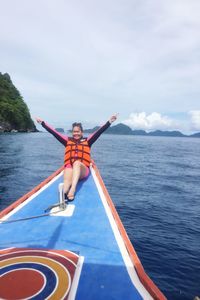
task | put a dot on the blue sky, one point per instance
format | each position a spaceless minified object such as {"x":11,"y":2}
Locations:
{"x":84,"y":60}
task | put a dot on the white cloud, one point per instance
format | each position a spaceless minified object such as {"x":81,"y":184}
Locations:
{"x":195,"y":119}
{"x":149,"y":122}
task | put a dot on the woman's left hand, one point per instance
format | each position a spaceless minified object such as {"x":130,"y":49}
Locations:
{"x":113,"y":118}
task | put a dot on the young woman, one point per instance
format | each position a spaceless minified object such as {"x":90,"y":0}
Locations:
{"x":77,"y":153}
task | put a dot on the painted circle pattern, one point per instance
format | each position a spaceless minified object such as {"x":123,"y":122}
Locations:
{"x":36,"y":274}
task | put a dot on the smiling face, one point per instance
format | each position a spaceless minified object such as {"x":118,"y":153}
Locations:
{"x":77,"y":133}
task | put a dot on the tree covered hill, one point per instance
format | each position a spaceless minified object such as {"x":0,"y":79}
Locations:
{"x":14,"y":113}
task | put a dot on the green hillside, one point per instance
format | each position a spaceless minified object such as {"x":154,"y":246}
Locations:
{"x":14,"y":113}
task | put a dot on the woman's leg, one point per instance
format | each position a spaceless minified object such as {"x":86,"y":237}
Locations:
{"x":79,"y":172}
{"x":68,"y":172}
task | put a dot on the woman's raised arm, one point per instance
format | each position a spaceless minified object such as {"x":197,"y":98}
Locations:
{"x":93,"y":137}
{"x":60,"y":137}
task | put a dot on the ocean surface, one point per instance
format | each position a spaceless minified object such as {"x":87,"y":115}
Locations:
{"x":154,"y":183}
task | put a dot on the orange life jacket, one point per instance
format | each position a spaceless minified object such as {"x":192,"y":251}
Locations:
{"x":77,"y":150}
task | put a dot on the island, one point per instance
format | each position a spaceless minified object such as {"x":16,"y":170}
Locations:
{"x":60,"y":130}
{"x":126,"y":130}
{"x":14,"y":113}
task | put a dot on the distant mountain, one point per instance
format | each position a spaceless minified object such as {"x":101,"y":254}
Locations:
{"x":91,"y":130}
{"x":166,"y":133}
{"x":196,"y":135}
{"x":60,"y":129}
{"x":119,"y":129}
{"x":126,"y":130}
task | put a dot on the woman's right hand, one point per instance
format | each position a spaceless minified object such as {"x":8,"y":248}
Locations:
{"x":39,"y":120}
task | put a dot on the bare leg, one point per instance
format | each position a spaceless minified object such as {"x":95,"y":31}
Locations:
{"x":79,"y":172}
{"x":67,"y":179}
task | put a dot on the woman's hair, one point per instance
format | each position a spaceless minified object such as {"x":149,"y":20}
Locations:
{"x":77,"y":125}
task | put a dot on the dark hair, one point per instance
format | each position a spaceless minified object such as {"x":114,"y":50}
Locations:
{"x":78,"y":125}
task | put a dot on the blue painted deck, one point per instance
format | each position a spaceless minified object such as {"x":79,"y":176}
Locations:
{"x":88,"y":232}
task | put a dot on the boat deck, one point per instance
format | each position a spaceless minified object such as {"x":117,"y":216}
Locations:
{"x":88,"y":229}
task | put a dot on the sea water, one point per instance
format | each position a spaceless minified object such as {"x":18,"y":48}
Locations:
{"x":154,"y":183}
